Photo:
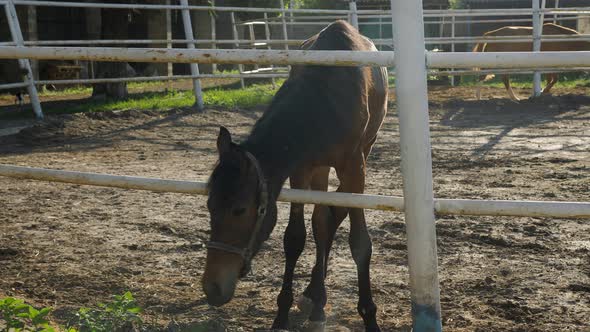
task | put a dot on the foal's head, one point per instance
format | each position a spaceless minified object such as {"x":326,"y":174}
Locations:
{"x":241,"y":219}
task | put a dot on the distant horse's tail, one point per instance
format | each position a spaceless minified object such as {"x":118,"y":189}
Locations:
{"x":481,"y":47}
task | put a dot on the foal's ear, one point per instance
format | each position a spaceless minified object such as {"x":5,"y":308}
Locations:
{"x":223,"y":141}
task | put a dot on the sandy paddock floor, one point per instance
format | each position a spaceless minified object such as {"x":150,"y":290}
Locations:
{"x":68,"y":246}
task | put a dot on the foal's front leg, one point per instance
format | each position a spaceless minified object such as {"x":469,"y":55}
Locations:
{"x":316,"y":291}
{"x":361,"y":248}
{"x":294,"y":242}
{"x":360,"y":245}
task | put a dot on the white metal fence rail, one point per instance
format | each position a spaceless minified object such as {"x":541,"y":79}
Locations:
{"x":300,"y":57}
{"x":520,"y":208}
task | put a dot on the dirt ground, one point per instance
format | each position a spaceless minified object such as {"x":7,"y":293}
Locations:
{"x":68,"y":246}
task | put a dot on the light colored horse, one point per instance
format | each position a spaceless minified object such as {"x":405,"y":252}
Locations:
{"x":548,"y":29}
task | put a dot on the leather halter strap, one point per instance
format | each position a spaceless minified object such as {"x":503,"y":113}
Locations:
{"x":246,"y":253}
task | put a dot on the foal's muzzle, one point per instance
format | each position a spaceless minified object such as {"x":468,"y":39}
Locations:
{"x":221,"y":277}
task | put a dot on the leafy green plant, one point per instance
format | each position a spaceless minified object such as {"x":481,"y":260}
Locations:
{"x":121,"y":314}
{"x":19,"y":316}
{"x":457,"y":4}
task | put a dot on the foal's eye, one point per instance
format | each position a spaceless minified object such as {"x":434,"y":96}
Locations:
{"x":238,"y":211}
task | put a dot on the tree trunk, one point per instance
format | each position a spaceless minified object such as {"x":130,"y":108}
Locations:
{"x":114,"y":25}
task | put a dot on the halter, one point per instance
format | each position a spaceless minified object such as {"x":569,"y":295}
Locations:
{"x":246,"y":253}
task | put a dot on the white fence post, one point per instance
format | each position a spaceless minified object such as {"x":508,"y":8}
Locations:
{"x":537,"y":33}
{"x":284,"y":23}
{"x":213,"y":33}
{"x":170,"y":65}
{"x":292,"y":5}
{"x":252,"y":39}
{"x":237,"y":45}
{"x":453,"y":45}
{"x":24,"y":64}
{"x":555,"y":14}
{"x":188,"y":32}
{"x":416,"y":163}
{"x":267,"y":37}
{"x":354,"y":17}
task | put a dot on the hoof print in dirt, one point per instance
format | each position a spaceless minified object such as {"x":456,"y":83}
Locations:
{"x":6,"y":253}
{"x":314,"y":326}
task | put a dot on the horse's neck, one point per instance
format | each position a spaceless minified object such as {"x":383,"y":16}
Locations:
{"x":276,"y":164}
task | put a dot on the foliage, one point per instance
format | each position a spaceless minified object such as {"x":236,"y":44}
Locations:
{"x":314,"y":4}
{"x":19,"y":316}
{"x":321,"y":4}
{"x":121,"y":314}
{"x":457,"y":4}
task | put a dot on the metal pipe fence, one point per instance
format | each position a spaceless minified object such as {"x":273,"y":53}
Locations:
{"x":412,"y":62}
{"x":295,"y":14}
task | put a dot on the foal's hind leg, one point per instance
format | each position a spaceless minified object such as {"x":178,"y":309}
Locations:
{"x":353,"y":178}
{"x":333,"y":217}
{"x":293,"y":243}
{"x":325,"y":222}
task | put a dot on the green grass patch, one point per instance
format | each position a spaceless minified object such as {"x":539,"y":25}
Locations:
{"x":74,"y":90}
{"x":249,"y":97}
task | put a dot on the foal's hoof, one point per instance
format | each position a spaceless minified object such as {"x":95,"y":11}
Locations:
{"x":305,"y":304}
{"x":314,"y":326}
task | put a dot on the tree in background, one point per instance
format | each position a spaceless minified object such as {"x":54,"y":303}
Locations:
{"x":457,"y":4}
{"x":321,"y":4}
{"x":109,"y":24}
